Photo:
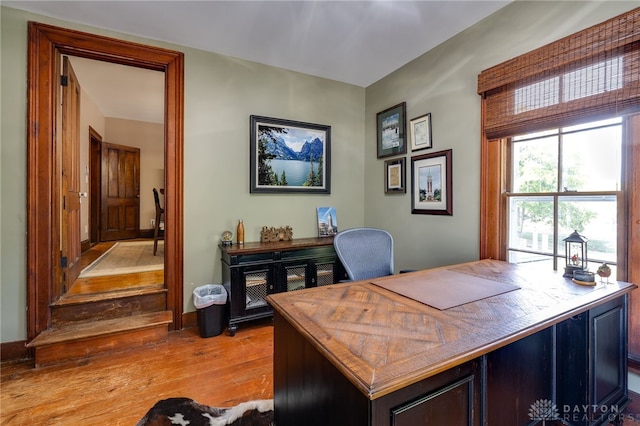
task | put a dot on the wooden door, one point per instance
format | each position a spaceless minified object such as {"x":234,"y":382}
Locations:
{"x":70,"y":249}
{"x":120,"y":192}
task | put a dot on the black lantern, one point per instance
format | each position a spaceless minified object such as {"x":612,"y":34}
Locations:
{"x":575,"y":253}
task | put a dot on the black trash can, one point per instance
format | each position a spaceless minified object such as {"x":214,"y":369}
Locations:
{"x":211,"y":302}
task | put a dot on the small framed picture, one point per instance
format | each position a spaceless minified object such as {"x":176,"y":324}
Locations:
{"x":327,"y":222}
{"x":420,"y":132}
{"x":394,"y":177}
{"x":392,"y":128}
{"x":431,"y":183}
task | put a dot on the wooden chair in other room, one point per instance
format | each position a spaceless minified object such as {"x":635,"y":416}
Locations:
{"x":159,"y":218}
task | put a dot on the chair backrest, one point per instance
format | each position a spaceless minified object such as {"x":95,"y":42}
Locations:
{"x":365,"y":252}
{"x":156,"y":197}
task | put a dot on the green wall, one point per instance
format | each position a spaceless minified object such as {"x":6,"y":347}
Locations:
{"x":220,"y":94}
{"x":444,"y":82}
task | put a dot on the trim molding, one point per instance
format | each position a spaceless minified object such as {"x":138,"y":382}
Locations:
{"x":14,"y":351}
{"x":189,"y":319}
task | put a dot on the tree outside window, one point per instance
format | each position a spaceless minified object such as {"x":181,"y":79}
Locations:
{"x":564,"y":180}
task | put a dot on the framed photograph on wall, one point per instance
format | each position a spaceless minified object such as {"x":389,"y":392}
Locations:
{"x":289,"y":156}
{"x":391,"y":130}
{"x":420,"y":132}
{"x":431,"y":183}
{"x":394,"y":176}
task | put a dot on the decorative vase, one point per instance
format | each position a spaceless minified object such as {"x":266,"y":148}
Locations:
{"x":240,"y":233}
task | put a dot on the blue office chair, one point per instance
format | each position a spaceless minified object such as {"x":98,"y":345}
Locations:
{"x":365,"y":252}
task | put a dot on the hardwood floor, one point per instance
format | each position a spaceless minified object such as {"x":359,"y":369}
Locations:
{"x":118,"y":389}
{"x":107,"y":283}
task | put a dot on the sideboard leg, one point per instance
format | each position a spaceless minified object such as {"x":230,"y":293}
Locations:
{"x":232,"y":329}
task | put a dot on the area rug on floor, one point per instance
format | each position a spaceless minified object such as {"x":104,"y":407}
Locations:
{"x":126,"y":257}
{"x":185,"y":411}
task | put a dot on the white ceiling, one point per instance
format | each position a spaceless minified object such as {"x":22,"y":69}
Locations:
{"x":120,"y":91}
{"x":356,"y":42}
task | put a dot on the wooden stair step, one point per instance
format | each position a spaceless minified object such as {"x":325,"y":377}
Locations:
{"x":107,"y":283}
{"x":76,"y":299}
{"x":83,"y":339}
{"x":84,"y":330}
{"x":108,"y":305}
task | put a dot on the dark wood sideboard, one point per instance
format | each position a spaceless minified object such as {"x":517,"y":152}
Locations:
{"x":254,"y":270}
{"x":359,"y":354}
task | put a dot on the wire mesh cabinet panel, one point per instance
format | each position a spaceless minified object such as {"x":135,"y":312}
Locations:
{"x":256,"y":284}
{"x":295,"y":276}
{"x":329,"y":271}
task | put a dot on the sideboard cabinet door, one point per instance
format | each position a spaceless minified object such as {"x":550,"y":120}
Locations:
{"x":294,"y":276}
{"x":247,"y":288}
{"x":592,"y":369}
{"x":327,"y":271}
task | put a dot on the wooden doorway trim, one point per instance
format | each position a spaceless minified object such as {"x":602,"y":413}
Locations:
{"x":45,"y":44}
{"x":95,"y":189}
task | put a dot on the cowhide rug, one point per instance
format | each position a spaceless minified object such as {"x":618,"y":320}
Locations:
{"x":185,"y":411}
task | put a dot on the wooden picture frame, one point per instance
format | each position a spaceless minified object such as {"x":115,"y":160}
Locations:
{"x":394,"y":176}
{"x":420,"y":132}
{"x":431,"y":183}
{"x":392,"y":130}
{"x":289,"y":156}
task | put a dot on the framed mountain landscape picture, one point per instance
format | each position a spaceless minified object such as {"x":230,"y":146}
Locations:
{"x":289,"y":156}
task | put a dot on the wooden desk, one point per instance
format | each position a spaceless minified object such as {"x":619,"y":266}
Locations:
{"x":358,"y":354}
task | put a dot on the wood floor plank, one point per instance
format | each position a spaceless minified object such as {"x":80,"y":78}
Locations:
{"x":108,"y":283}
{"x":119,"y":389}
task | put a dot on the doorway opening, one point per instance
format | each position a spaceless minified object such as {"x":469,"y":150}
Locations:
{"x":43,"y":197}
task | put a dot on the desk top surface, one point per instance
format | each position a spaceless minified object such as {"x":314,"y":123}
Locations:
{"x":383,"y":341}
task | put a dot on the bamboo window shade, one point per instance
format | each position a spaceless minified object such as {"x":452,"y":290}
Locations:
{"x":589,"y":75}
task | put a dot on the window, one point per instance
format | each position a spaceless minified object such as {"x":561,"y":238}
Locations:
{"x":560,"y":138}
{"x":563,"y":180}
{"x":593,"y":179}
